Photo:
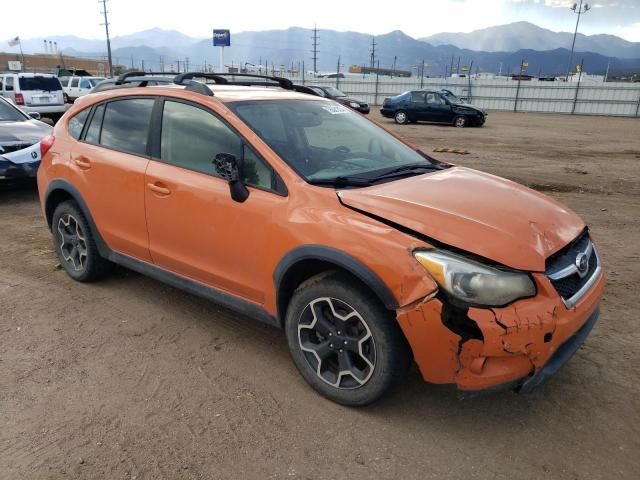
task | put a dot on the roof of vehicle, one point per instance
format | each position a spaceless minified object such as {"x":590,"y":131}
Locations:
{"x":224,"y":93}
{"x":26,"y":74}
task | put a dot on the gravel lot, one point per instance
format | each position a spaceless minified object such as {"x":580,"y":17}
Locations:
{"x":129,"y":378}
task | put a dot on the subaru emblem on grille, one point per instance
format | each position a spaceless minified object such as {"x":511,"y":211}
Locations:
{"x":582,"y":264}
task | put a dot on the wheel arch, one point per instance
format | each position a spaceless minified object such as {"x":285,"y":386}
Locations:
{"x":307,"y":261}
{"x":59,"y":191}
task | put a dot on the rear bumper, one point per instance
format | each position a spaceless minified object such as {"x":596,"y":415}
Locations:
{"x":387,"y":112}
{"x":46,"y":109}
{"x":12,"y":171}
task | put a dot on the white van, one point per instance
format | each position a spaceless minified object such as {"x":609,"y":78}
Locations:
{"x":37,"y":92}
{"x":76,"y":87}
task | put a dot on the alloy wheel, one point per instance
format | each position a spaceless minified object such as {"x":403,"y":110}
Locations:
{"x":401,"y":117}
{"x":337,"y":343}
{"x":461,"y":122}
{"x":73,"y":244}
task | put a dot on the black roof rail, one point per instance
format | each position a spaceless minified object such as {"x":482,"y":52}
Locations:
{"x":305,"y":89}
{"x":221,"y":79}
{"x":135,"y":73}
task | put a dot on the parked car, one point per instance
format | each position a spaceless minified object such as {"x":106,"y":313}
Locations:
{"x":37,"y":92}
{"x":76,"y":86}
{"x":341,"y":97}
{"x":110,"y":83}
{"x":20,"y":135}
{"x":295,"y":210}
{"x":431,"y":106}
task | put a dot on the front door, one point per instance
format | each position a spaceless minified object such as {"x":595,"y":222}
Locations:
{"x":439,"y":109}
{"x":195,"y":228}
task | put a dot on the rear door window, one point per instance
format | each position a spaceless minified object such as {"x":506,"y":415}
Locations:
{"x":77,"y":122}
{"x":8,"y":84}
{"x":126,"y":125}
{"x":47,"y":84}
{"x":74,"y":82}
{"x":417,"y":97}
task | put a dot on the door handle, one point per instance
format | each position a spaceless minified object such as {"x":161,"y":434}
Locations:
{"x":158,"y":189}
{"x":82,"y":162}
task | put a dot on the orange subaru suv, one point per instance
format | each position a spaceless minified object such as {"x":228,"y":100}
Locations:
{"x":304,"y":214}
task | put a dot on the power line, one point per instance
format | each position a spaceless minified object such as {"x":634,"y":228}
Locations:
{"x":315,"y":49}
{"x":106,"y":28}
{"x":373,"y":52}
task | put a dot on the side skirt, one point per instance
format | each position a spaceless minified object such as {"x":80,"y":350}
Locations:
{"x":195,"y":288}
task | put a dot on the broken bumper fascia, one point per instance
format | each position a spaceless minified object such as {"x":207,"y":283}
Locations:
{"x":518,"y":346}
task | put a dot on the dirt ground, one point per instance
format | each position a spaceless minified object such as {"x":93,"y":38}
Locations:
{"x":132,"y":379}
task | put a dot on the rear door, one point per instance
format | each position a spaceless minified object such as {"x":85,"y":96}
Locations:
{"x":109,"y":164}
{"x":417,"y":107}
{"x":195,"y":228}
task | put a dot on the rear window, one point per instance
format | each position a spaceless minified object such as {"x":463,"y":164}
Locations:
{"x":48,"y":84}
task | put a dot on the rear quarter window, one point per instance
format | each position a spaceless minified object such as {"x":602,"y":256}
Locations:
{"x":77,"y":123}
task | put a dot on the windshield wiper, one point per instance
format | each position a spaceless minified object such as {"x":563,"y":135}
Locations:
{"x":341,"y":181}
{"x":416,"y":169}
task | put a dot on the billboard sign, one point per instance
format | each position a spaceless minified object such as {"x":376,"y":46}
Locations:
{"x":221,"y":38}
{"x":14,"y":66}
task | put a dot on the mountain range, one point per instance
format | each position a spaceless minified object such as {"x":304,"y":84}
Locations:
{"x":497,"y":48}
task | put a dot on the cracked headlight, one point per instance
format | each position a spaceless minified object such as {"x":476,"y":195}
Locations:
{"x":473,"y":282}
{"x":354,"y":104}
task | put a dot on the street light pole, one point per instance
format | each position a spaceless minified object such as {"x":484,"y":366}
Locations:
{"x":579,"y":9}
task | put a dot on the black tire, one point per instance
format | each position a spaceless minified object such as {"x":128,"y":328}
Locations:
{"x":75,"y":246}
{"x":378,"y":351}
{"x":460,"y":121}
{"x":401,"y":117}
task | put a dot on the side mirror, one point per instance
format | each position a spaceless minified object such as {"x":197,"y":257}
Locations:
{"x":34,"y":115}
{"x":227,"y":167}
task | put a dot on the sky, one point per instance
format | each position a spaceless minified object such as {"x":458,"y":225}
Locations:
{"x":418,"y":18}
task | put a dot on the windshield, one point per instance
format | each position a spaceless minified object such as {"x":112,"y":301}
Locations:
{"x":48,"y":84}
{"x":451,"y":97}
{"x":10,"y":114}
{"x":324,"y":141}
{"x":334,"y":92}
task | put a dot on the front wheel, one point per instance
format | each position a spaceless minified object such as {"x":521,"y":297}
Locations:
{"x":460,"y":121}
{"x":343,"y":341}
{"x":401,"y":117}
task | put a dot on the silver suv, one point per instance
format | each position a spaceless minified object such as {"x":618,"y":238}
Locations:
{"x":36,"y":92}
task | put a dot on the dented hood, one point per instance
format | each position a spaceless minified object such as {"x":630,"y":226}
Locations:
{"x":476,"y":212}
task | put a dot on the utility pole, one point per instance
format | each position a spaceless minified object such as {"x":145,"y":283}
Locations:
{"x":579,"y":9}
{"x":142,"y":62}
{"x":373,"y":52}
{"x":186,"y":64}
{"x":161,"y":64}
{"x":315,"y":49}
{"x":458,"y":69}
{"x":106,"y":28}
{"x":132,"y":67}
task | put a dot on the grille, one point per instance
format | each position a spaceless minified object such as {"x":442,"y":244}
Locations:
{"x":563,"y":273}
{"x":13,"y":148}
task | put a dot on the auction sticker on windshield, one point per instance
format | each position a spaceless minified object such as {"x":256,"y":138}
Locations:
{"x":335,"y":109}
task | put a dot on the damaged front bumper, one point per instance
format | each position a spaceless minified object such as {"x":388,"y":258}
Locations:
{"x":518,"y":346}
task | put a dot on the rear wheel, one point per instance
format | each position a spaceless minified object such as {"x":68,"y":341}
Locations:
{"x":401,"y":117}
{"x":75,"y":245}
{"x":460,"y":121}
{"x":345,"y":344}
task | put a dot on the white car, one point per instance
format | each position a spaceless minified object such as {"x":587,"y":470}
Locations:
{"x":76,"y":87}
{"x":35,"y":92}
{"x":20,"y":137}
